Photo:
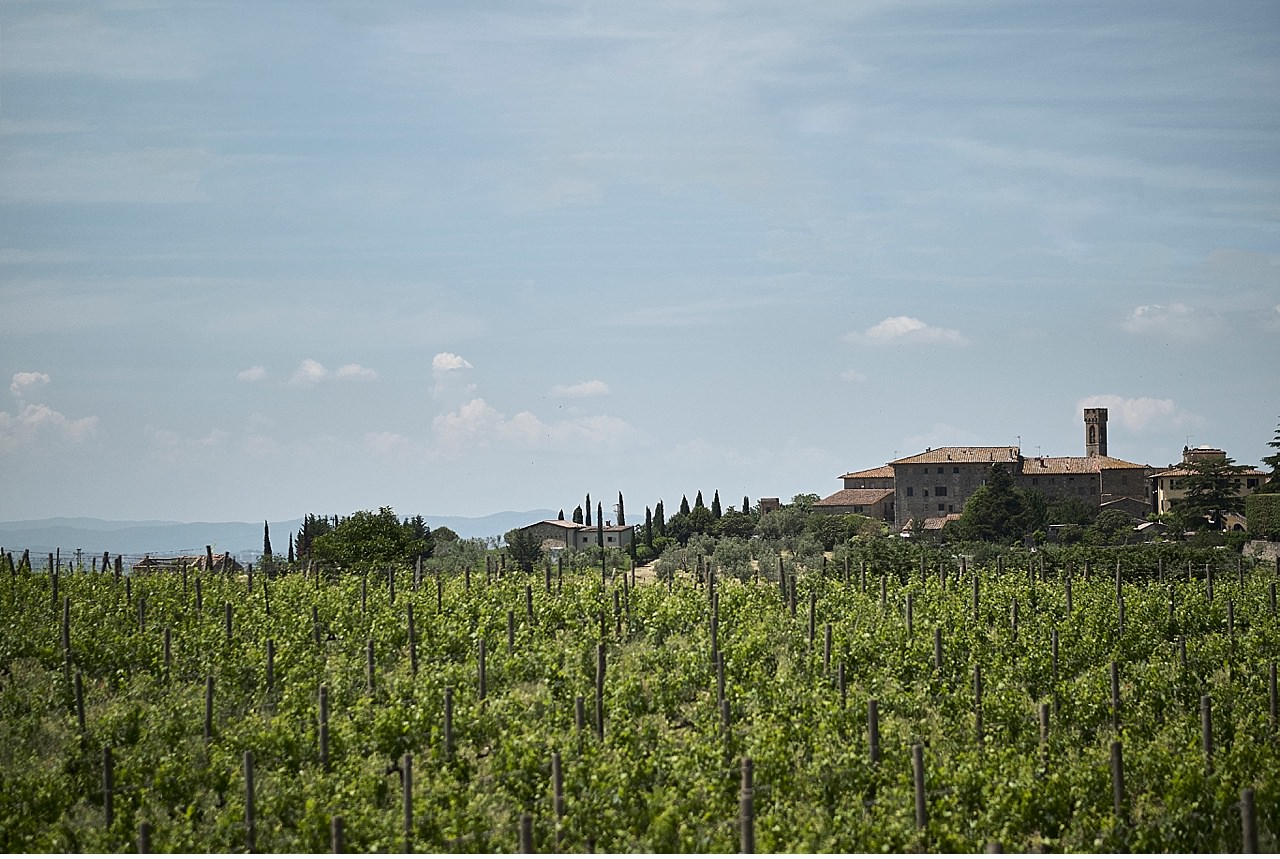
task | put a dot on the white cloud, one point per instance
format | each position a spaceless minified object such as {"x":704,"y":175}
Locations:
{"x":22,"y":382}
{"x":1176,"y":321}
{"x":592,"y":388}
{"x":443,"y":362}
{"x":309,"y":372}
{"x":355,"y":372}
{"x":253,"y":374}
{"x":853,"y":376}
{"x":35,"y":421}
{"x":478,"y":424}
{"x":1138,"y":414}
{"x":906,"y":329}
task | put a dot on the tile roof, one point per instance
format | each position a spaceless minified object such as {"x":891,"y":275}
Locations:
{"x":564,"y":523}
{"x":1178,"y":471}
{"x":854,"y":497}
{"x":882,"y":471}
{"x":961,"y":454}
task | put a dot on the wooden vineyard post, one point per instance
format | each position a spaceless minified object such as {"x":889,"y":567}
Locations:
{"x":600,"y":669}
{"x":80,"y":702}
{"x":208,"y":560}
{"x":364,"y":592}
{"x":144,"y":837}
{"x":1117,"y":780}
{"x":528,"y":603}
{"x":1206,"y":729}
{"x":1067,"y":591}
{"x":315,"y":624}
{"x":511,"y":632}
{"x":271,"y":663}
{"x":336,"y":839}
{"x":826,"y":649}
{"x":746,"y":809}
{"x":413,"y":638}
{"x":842,"y":685}
{"x":208,"y":711}
{"x":66,"y":630}
{"x":557,"y":793}
{"x":406,"y":772}
{"x":391,"y":584}
{"x":1248,"y":822}
{"x":526,"y":833}
{"x":1271,"y":695}
{"x":1115,"y":695}
{"x":324,"y":728}
{"x":1182,"y":653}
{"x":439,"y":594}
{"x":917,"y":778}
{"x":579,"y":713}
{"x":226,"y":610}
{"x":368,"y":666}
{"x":266,"y":596}
{"x":166,"y":651}
{"x":910,"y":614}
{"x":873,"y":729}
{"x":884,"y":592}
{"x":108,"y":787}
{"x":199,"y":597}
{"x":448,"y":723}
{"x":417,"y":573}
{"x":250,"y":822}
{"x":977,"y":704}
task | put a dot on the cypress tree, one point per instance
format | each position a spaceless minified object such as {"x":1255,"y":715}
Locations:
{"x":715,"y":505}
{"x":560,"y":516}
{"x":622,"y":517}
{"x":600,"y":525}
{"x":659,"y":520}
{"x":697,"y":502}
{"x":577,"y":514}
{"x":746,"y":504}
{"x":266,"y":539}
{"x":589,"y":510}
{"x":648,"y":527}
{"x":291,"y":557}
{"x":684,"y":505}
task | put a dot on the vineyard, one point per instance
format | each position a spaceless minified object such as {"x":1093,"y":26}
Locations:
{"x":880,"y":698}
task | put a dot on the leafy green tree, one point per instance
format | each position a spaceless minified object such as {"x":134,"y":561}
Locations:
{"x":1110,"y":528}
{"x":444,"y":535}
{"x":1273,"y":461}
{"x":995,"y":512}
{"x":313,"y":526}
{"x":735,"y":524}
{"x":1210,"y":488}
{"x":379,"y":538}
{"x":716,"y":511}
{"x":804,"y":500}
{"x":524,"y":547}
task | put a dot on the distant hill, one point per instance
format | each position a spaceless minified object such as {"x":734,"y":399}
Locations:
{"x":95,"y":536}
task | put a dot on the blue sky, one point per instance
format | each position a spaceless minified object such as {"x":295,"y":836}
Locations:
{"x":263,"y":259}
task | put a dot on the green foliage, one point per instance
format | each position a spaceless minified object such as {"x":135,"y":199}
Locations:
{"x":525,"y":548}
{"x":1210,"y":488}
{"x":996,"y":512}
{"x":664,"y":778}
{"x":1262,"y":510}
{"x":366,"y":538}
{"x":1273,"y":462}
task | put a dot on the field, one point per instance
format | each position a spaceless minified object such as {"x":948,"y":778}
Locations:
{"x":888,"y":699}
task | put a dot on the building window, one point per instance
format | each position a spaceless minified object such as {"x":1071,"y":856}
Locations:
{"x":940,"y":491}
{"x":926,"y":492}
{"x":942,"y":508}
{"x":955,"y":469}
{"x":1035,"y":481}
{"x":939,"y":469}
{"x":911,"y":490}
{"x":1252,"y":482}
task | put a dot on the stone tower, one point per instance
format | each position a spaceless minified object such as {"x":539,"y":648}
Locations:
{"x":1095,"y":432}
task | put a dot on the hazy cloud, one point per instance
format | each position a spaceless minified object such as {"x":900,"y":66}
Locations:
{"x":1177,"y":321}
{"x":476,"y":423}
{"x":34,"y":422}
{"x":853,"y":376}
{"x":253,"y":374}
{"x":906,"y":329}
{"x":1138,"y":414}
{"x":24,"y":381}
{"x":593,"y":388}
{"x":311,"y":372}
{"x":443,"y":362}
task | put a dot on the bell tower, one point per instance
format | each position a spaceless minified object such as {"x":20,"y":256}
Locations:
{"x":1095,"y":432}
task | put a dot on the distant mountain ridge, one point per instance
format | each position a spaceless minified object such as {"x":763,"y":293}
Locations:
{"x":158,"y":537}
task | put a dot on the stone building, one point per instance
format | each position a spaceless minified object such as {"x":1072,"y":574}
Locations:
{"x":557,"y":534}
{"x":932,"y":487}
{"x":1166,"y":485}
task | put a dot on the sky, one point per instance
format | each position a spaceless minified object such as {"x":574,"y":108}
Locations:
{"x":265,"y":259}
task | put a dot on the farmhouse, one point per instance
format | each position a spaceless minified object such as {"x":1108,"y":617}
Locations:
{"x":932,"y":487}
{"x":1166,"y":485}
{"x":563,"y":534}
{"x":223,"y":563}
